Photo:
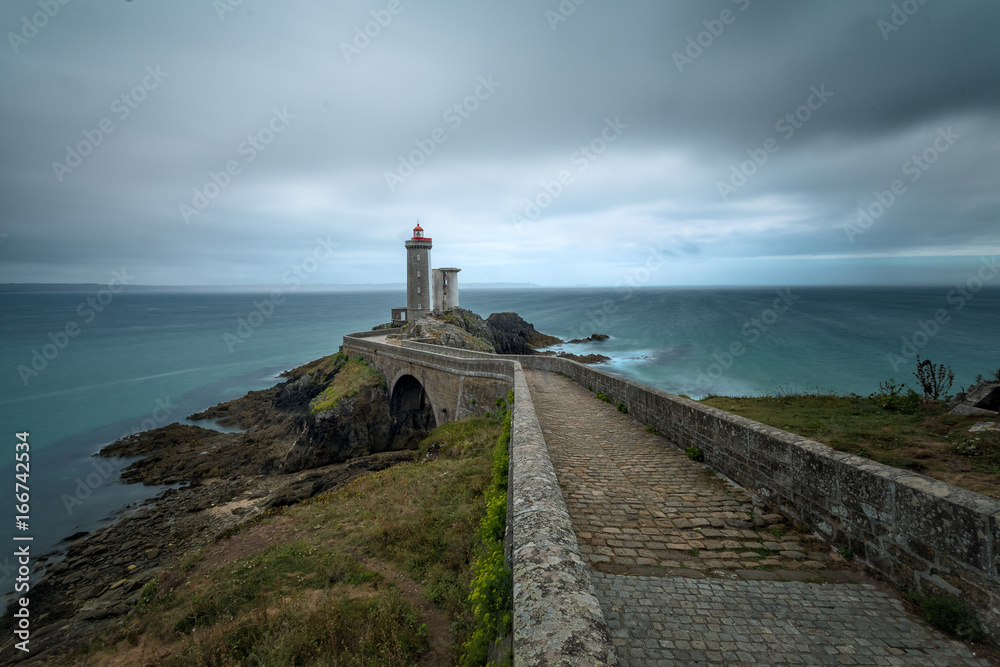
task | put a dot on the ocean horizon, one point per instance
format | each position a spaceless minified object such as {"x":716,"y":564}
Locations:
{"x":85,"y":368}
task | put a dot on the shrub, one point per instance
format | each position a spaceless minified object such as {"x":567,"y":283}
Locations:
{"x":695,"y":454}
{"x":621,"y":407}
{"x":948,"y":614}
{"x":603,"y":397}
{"x":491,"y":590}
{"x":935,"y":379}
{"x":891,"y":396}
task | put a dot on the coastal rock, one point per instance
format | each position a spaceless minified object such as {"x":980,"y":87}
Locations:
{"x":592,"y":338}
{"x":512,"y":335}
{"x":582,"y":358}
{"x":982,"y":398}
{"x":358,"y":425}
{"x":449,"y":329}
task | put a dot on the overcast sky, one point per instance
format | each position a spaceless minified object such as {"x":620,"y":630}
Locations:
{"x":715,"y":142}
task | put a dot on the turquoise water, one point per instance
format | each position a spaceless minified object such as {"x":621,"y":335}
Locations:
{"x":151,"y":358}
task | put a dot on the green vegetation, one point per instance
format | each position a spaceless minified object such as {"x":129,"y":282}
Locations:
{"x":603,"y":397}
{"x":622,"y":407}
{"x":935,"y":379}
{"x":374,"y":573}
{"x":492,"y":582}
{"x":350,"y":378}
{"x":947,"y":614}
{"x":282,"y":567}
{"x":695,"y":453}
{"x":460,"y":438}
{"x":891,"y":427}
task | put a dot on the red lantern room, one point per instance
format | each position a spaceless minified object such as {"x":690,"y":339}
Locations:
{"x":418,"y":234}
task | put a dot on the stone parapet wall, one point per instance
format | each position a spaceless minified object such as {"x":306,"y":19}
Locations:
{"x":557,"y":618}
{"x":924,"y":534}
{"x":450,"y":351}
{"x":376,"y":333}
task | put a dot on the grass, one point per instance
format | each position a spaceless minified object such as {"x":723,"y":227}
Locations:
{"x":695,"y":454}
{"x":459,"y":438}
{"x":370,"y":574}
{"x":491,"y":591}
{"x":947,"y":614}
{"x":906,"y":433}
{"x":350,"y":378}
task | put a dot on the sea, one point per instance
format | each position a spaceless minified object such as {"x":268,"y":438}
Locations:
{"x":82,"y":368}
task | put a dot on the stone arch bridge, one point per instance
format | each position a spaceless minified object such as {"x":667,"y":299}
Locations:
{"x":452,"y":384}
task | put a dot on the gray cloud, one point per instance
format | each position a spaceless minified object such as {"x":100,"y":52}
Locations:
{"x":348,"y":119}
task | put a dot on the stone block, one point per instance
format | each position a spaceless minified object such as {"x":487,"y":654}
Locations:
{"x":925,"y":514}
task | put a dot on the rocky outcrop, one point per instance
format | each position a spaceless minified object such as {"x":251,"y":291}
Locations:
{"x":592,"y":358}
{"x":982,"y":398}
{"x":512,"y":335}
{"x":359,"y":425}
{"x":592,"y":338}
{"x":452,"y":329}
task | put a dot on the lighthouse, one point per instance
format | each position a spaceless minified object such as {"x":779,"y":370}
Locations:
{"x":418,"y":275}
{"x":427,"y":290}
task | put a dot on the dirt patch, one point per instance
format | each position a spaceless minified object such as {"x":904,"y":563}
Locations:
{"x":252,"y":541}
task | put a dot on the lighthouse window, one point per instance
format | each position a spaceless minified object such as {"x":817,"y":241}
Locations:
{"x":418,"y":274}
{"x":418,"y":290}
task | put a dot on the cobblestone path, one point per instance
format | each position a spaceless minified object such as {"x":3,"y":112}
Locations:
{"x":689,"y":571}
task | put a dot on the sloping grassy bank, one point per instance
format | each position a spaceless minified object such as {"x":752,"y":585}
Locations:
{"x":375,"y":573}
{"x":904,"y":432}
